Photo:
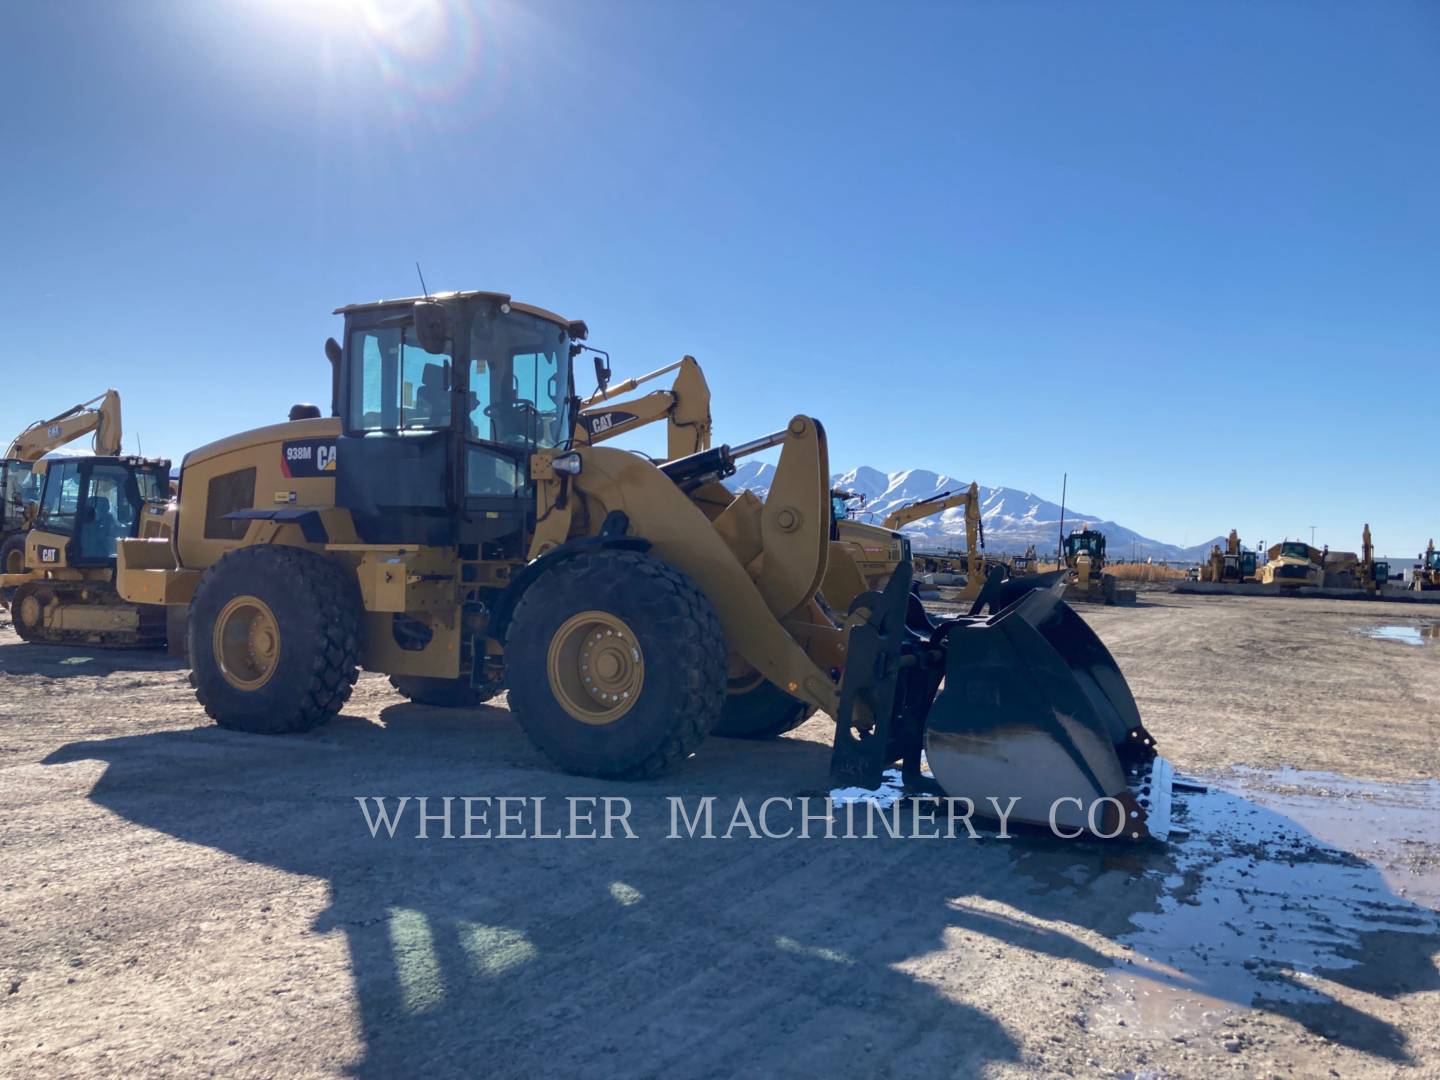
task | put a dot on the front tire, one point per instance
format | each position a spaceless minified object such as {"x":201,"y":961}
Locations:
{"x":274,"y":640}
{"x":616,"y":665}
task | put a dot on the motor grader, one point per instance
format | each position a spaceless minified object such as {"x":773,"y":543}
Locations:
{"x":1084,"y":557}
{"x":66,"y":593}
{"x":467,"y":539}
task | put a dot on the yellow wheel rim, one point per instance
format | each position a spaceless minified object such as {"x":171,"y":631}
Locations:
{"x":247,"y":643}
{"x":596,"y":667}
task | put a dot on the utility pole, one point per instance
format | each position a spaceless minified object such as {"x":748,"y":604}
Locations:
{"x":1060,"y":548}
{"x":1312,"y":535}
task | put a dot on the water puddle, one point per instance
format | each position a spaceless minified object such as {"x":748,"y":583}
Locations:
{"x":1289,"y":884}
{"x":1408,"y":635}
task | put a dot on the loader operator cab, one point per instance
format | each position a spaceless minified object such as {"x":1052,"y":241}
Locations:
{"x":90,"y":503}
{"x":442,"y":402}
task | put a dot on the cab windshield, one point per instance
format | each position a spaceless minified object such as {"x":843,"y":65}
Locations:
{"x":1295,"y":551}
{"x":511,"y":387}
{"x":518,"y":380}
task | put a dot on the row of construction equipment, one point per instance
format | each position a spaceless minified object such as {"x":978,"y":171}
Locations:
{"x":1294,"y":564}
{"x":459,"y":523}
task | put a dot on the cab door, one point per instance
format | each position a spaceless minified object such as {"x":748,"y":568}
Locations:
{"x":393,"y":467}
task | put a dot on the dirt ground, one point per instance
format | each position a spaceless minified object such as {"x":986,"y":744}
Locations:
{"x":179,"y":899}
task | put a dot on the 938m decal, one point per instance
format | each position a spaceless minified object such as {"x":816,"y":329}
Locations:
{"x":307,"y":457}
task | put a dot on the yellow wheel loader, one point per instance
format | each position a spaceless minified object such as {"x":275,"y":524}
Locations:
{"x":66,"y":593}
{"x":464,"y":540}
{"x":19,"y":488}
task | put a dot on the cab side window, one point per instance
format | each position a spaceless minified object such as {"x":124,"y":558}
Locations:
{"x":108,"y":515}
{"x":62,"y":497}
{"x":395,"y":384}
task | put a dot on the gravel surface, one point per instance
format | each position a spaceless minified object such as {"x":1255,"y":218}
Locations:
{"x":179,"y":899}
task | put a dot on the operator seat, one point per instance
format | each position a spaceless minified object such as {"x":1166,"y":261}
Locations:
{"x":432,"y":399}
{"x":102,"y":530}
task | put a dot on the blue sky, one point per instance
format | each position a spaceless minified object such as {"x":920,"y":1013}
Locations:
{"x":1187,"y":253}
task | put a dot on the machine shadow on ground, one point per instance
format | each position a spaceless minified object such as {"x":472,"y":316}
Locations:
{"x":68,"y":661}
{"x":689,"y":957}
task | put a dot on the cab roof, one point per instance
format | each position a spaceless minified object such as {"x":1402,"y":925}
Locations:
{"x":576,"y":327}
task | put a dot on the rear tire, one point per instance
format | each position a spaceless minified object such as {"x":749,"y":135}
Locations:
{"x":762,"y":712}
{"x":616,"y":665}
{"x":441,"y":693}
{"x":274,"y":640}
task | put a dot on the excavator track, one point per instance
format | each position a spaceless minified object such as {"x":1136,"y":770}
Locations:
{"x":35,"y":604}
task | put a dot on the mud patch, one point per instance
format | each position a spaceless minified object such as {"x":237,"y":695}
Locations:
{"x":1290,"y":886}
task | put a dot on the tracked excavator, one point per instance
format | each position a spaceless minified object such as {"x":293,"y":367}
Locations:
{"x":612,"y":594}
{"x":1235,"y":564}
{"x":66,"y":593}
{"x":1374,"y":573}
{"x":19,"y":489}
{"x":1427,"y":570}
{"x":969,"y":498}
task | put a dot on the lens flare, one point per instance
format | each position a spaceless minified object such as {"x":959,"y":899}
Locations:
{"x":426,"y":53}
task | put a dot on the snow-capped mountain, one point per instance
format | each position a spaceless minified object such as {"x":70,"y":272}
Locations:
{"x":1013,"y":519}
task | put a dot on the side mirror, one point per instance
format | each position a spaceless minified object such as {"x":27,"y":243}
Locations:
{"x":602,"y":371}
{"x":432,"y":327}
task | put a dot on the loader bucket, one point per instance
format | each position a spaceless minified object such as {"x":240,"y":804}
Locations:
{"x":1034,"y":707}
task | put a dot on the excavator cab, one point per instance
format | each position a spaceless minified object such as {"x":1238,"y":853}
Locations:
{"x":17,"y":487}
{"x":88,"y":504}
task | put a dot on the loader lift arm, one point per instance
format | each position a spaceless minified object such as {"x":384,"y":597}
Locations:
{"x":685,"y":407}
{"x":100,"y":414}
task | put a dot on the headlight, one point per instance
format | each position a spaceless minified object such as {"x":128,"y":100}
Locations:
{"x":569,"y":464}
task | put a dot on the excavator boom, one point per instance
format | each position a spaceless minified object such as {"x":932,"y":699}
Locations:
{"x":100,"y":414}
{"x":938,"y":504}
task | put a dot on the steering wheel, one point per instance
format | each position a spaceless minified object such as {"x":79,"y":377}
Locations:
{"x":519,"y":419}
